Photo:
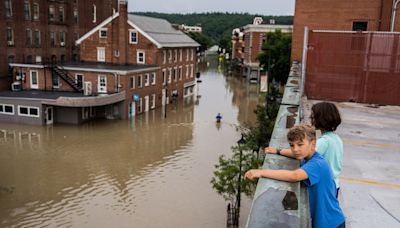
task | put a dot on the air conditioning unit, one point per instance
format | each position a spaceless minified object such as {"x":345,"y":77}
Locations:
{"x":87,"y":88}
{"x":16,"y":86}
{"x":62,"y":44}
{"x":10,"y":42}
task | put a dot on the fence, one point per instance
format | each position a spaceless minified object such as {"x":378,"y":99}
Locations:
{"x":353,"y":66}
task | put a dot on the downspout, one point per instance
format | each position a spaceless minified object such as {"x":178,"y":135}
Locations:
{"x":380,"y":17}
{"x":393,"y":18}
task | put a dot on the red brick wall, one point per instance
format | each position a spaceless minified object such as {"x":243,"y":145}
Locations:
{"x":338,"y":15}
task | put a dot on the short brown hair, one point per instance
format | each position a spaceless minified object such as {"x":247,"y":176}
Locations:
{"x":300,"y":132}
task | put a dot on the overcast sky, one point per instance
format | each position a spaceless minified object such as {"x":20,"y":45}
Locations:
{"x":263,"y":7}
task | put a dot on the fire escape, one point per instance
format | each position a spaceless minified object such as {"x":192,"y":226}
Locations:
{"x":63,"y":74}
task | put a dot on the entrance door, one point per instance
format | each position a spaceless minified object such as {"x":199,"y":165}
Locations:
{"x":102,"y":84}
{"x":133,"y":109}
{"x":34,"y":80}
{"x":146,"y":103}
{"x":49,"y":115}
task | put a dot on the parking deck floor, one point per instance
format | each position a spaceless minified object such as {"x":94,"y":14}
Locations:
{"x":370,"y":180}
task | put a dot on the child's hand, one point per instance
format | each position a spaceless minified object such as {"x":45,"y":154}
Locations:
{"x":252,"y":174}
{"x":270,"y":150}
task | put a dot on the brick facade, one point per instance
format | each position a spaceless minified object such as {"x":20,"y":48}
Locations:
{"x":18,"y":50}
{"x":339,"y":15}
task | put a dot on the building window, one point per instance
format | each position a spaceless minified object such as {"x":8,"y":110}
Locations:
{"x":176,"y":55}
{"x":132,"y":82}
{"x":164,"y":57}
{"x":28,"y":40}
{"x":191,"y":70}
{"x":153,"y":78}
{"x":34,"y":80}
{"x":62,"y":39}
{"x":76,"y":15}
{"x":51,"y":13}
{"x":28,"y":111}
{"x":94,"y":13}
{"x":52,"y":39}
{"x":79,"y":80}
{"x":8,"y":8}
{"x":139,"y":81}
{"x":62,"y":58}
{"x":140,"y":57}
{"x":169,"y":56}
{"x":187,"y":54}
{"x":85,"y":113}
{"x":360,"y":26}
{"x":101,"y":54}
{"x":11,"y":59}
{"x":103,"y":33}
{"x":175,"y":74}
{"x":191,"y":54}
{"x":133,"y":36}
{"x":7,"y":109}
{"x":169,"y":75}
{"x":27,"y":10}
{"x":180,"y":73}
{"x":37,"y":38}
{"x":180,"y":55}
{"x":35,"y":11}
{"x":146,"y":80}
{"x":164,"y":78}
{"x":29,"y":59}
{"x":187,"y":72}
{"x":10,"y":36}
{"x":139,"y":105}
{"x":56,"y":81}
{"x":61,"y":14}
{"x":153,"y":101}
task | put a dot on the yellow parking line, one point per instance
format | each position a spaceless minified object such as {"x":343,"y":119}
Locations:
{"x":369,"y":182}
{"x":366,"y":143}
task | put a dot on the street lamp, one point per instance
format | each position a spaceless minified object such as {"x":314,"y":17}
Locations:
{"x":241,"y":141}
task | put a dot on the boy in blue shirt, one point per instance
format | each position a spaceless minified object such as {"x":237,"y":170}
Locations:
{"x":315,"y":173}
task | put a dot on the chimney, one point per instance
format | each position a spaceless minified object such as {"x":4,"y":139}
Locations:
{"x":122,"y":31}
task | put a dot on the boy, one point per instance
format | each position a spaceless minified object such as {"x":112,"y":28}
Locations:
{"x":315,"y":173}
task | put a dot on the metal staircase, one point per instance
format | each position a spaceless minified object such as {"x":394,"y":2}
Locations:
{"x":59,"y":71}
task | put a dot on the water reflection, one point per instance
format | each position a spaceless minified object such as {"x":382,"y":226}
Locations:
{"x":148,"y":172}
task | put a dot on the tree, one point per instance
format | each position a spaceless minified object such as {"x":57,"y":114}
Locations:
{"x":276,"y":55}
{"x":204,"y":41}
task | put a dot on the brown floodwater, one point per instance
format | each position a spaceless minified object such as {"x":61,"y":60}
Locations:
{"x":147,"y":172}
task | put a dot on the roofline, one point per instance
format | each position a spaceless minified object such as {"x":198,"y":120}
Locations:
{"x":121,"y":72}
{"x":95,"y":29}
{"x":27,"y":65}
{"x":355,"y":32}
{"x":144,"y":34}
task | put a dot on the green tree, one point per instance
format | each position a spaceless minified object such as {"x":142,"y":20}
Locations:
{"x":204,"y":41}
{"x":276,"y":55}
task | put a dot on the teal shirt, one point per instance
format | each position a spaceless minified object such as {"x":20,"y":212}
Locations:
{"x":330,"y":147}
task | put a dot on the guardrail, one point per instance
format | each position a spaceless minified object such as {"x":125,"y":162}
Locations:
{"x":278,"y":203}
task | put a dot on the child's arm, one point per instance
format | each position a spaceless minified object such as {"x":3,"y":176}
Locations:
{"x":282,"y":175}
{"x":284,"y":152}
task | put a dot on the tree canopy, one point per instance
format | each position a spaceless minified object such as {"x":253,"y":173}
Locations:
{"x":276,"y":55}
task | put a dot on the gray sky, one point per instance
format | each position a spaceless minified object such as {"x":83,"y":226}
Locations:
{"x":263,"y":7}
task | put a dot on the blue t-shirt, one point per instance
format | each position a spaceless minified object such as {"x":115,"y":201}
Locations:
{"x":325,"y":209}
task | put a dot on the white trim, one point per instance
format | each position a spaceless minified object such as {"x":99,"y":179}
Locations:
{"x":101,"y":50}
{"x":121,"y":72}
{"x":130,"y":36}
{"x":101,"y":30}
{"x":137,"y":57}
{"x":346,"y":31}
{"x":145,"y":34}
{"x":101,"y":88}
{"x":106,"y":21}
{"x":29,"y":111}
{"x":8,"y":113}
{"x":26,"y":65}
{"x":153,"y":76}
{"x":146,"y":79}
{"x":36,"y":86}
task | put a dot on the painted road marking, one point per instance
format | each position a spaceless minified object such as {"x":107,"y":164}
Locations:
{"x":366,"y":143}
{"x":370,"y":182}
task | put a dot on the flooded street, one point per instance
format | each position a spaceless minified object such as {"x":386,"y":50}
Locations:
{"x":148,"y":172}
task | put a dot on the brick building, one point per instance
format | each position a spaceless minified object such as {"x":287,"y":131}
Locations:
{"x":247,"y":43}
{"x":129,"y":65}
{"x":43,"y":31}
{"x":372,"y":15}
